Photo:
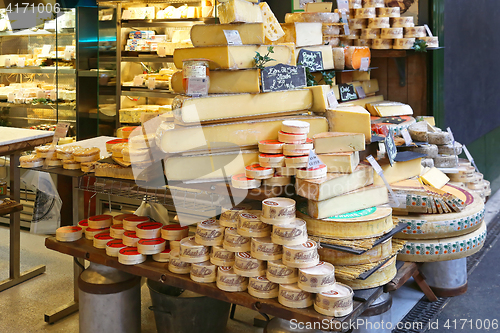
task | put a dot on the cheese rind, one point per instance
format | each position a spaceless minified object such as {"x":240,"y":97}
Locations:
{"x":354,"y":54}
{"x":273,"y":30}
{"x":334,"y":184}
{"x":359,"y":199}
{"x":351,"y":119}
{"x":214,"y":108}
{"x":338,"y":142}
{"x":235,"y":57}
{"x":399,"y":171}
{"x":389,"y":109}
{"x":320,"y":98}
{"x":340,"y":162}
{"x":302,"y":33}
{"x":234,"y":11}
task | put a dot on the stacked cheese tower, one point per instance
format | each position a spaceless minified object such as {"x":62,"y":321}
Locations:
{"x":70,"y":157}
{"x":373,"y":24}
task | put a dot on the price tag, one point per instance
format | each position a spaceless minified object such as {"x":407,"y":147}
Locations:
{"x":46,"y":49}
{"x":67,"y":53}
{"x":390,"y":147}
{"x":406,"y":136}
{"x":11,"y":97}
{"x":453,"y":143}
{"x":138,"y":81}
{"x":429,"y":32}
{"x":361,"y":92}
{"x":21,"y":62}
{"x":40,"y":94}
{"x":61,"y":131}
{"x":332,"y":99}
{"x":7,"y":62}
{"x":151,"y":83}
{"x":233,"y":37}
{"x":343,"y":6}
{"x":161,"y":50}
{"x":126,"y":14}
{"x":52,"y":95}
{"x":346,"y":26}
{"x":313,"y":161}
{"x":365,"y":62}
{"x":380,"y":172}
{"x":470,"y":158}
{"x":197,"y":86}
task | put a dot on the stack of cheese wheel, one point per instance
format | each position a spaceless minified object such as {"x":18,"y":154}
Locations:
{"x":173,"y":234}
{"x":150,"y":241}
{"x":97,"y":224}
{"x":69,"y":233}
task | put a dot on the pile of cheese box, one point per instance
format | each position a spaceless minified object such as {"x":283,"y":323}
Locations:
{"x":373,"y":24}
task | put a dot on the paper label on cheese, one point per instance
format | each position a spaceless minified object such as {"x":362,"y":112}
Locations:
{"x":343,"y":6}
{"x":194,"y":71}
{"x":138,"y":81}
{"x":20,"y":62}
{"x":380,"y":172}
{"x":360,"y":91}
{"x":151,"y":83}
{"x":365,"y":62}
{"x":197,"y":86}
{"x":406,"y":136}
{"x":233,"y":37}
{"x":332,"y":99}
{"x":313,"y":161}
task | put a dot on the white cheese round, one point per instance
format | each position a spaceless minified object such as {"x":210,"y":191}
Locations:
{"x":69,"y":233}
{"x":130,"y":238}
{"x":370,"y":33}
{"x":367,"y":12}
{"x":250,"y":225}
{"x":114,"y":246}
{"x":193,"y":252}
{"x":263,"y":248}
{"x":357,"y":24}
{"x":130,"y":256}
{"x":378,"y":23}
{"x":317,"y":279}
{"x":256,"y":171}
{"x":290,"y":233}
{"x":209,"y":233}
{"x":151,"y":246}
{"x":241,"y":181}
{"x":278,"y":272}
{"x":337,"y":302}
{"x":374,"y":3}
{"x":177,"y":266}
{"x":116,"y":231}
{"x":163,"y":256}
{"x":413,"y":32}
{"x":272,"y":160}
{"x":221,"y":257}
{"x":91,"y":232}
{"x":84,"y":224}
{"x":301,"y":256}
{"x":278,"y":210}
{"x":290,"y":295}
{"x":261,"y":287}
{"x":388,"y":12}
{"x":148,"y":230}
{"x":203,"y":272}
{"x":174,"y":232}
{"x":131,"y":223}
{"x":292,"y":137}
{"x":296,"y":161}
{"x":246,"y":265}
{"x":100,"y":221}
{"x":313,"y":173}
{"x":229,"y":217}
{"x":402,"y":22}
{"x":228,"y":280}
{"x":271,"y":146}
{"x":391,"y":33}
{"x":381,"y":44}
{"x":295,"y":126}
{"x":298,"y":149}
{"x":101,"y":239}
{"x":235,"y":242}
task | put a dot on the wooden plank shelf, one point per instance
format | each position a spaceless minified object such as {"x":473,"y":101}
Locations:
{"x":10,"y":207}
{"x":157,"y":271}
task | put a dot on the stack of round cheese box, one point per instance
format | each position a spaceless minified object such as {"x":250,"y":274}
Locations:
{"x":280,"y":159}
{"x":373,"y":24}
{"x":467,"y":177}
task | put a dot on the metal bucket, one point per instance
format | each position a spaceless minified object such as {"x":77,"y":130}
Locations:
{"x":446,"y":278}
{"x":179,"y":311}
{"x":373,"y":317}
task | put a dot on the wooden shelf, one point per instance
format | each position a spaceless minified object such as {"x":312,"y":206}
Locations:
{"x":157,"y":271}
{"x":397,"y":53}
{"x":12,"y":207}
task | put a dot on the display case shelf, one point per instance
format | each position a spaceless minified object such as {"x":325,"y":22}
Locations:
{"x":37,"y":70}
{"x":167,"y":22}
{"x":39,"y":106}
{"x":138,"y":92}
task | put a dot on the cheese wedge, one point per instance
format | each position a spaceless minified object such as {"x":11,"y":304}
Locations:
{"x":209,"y":166}
{"x":435,"y":177}
{"x":235,"y":57}
{"x":320,"y":98}
{"x":213,"y":34}
{"x":326,"y":52}
{"x":369,"y":86}
{"x":338,"y":142}
{"x":399,"y":171}
{"x":217,"y":107}
{"x":359,"y":199}
{"x":338,"y":57}
{"x":272,"y":26}
{"x":334,"y":184}
{"x":362,"y":102}
{"x":234,"y":11}
{"x":350,"y":119}
{"x":354,"y":54}
{"x":225,"y":82}
{"x":340,"y":162}
{"x":302,"y":33}
{"x":229,"y":135}
{"x":389,"y":109}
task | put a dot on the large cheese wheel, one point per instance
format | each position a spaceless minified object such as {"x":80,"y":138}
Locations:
{"x":433,"y":226}
{"x":377,"y":253}
{"x":382,"y":276}
{"x":445,"y":248}
{"x":354,"y":54}
{"x":365,"y":223}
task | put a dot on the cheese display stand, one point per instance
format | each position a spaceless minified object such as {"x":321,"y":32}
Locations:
{"x":293,"y":187}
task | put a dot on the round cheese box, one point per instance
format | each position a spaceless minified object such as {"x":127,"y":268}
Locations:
{"x":290,"y":233}
{"x":412,"y":32}
{"x":292,"y":137}
{"x":175,"y":246}
{"x":402,"y":22}
{"x":163,"y":256}
{"x":130,"y":238}
{"x":100,"y":221}
{"x":131,"y":223}
{"x":278,"y":272}
{"x":295,"y":126}
{"x":272,"y":160}
{"x":261,"y":287}
{"x":290,"y":295}
{"x":286,"y":172}
{"x":114,"y":246}
{"x":278,"y":210}
{"x":357,"y":24}
{"x":192,"y":251}
{"x":312,"y":173}
{"x":235,"y":242}
{"x":271,"y":147}
{"x":172,"y":232}
{"x":228,"y":280}
{"x":296,"y":161}
{"x":84,"y":224}
{"x":209,"y":233}
{"x":391,"y":33}
{"x":371,"y":33}
{"x":221,"y":257}
{"x":388,"y":12}
{"x":301,"y":256}
{"x":116,"y":231}
{"x":403,"y":43}
{"x":381,"y":44}
{"x":118,"y":219}
{"x":130,"y":256}
{"x":318,"y":278}
{"x":298,"y":149}
{"x":337,"y":302}
{"x":91,"y":232}
{"x":101,"y":239}
{"x":151,"y":246}
{"x":69,"y":233}
{"x":241,"y":181}
{"x":203,"y":272}
{"x":368,"y":12}
{"x":278,"y":180}
{"x":229,"y":217}
{"x":374,"y":3}
{"x":177,"y":266}
{"x":148,"y":230}
{"x":257,"y":171}
{"x":263,"y":248}
{"x":245,"y":265}
{"x":250,"y":225}
{"x":379,"y":22}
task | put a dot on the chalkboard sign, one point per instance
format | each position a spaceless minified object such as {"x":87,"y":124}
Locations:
{"x":347,"y":92}
{"x":311,"y":59}
{"x":390,"y":147}
{"x":283,"y":77}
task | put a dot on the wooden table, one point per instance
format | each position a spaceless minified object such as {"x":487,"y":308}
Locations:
{"x":157,"y":271}
{"x":13,"y":141}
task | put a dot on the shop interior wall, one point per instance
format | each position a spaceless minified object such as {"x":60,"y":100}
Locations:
{"x":471,"y":80}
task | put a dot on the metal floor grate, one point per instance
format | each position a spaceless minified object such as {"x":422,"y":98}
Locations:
{"x":425,"y":311}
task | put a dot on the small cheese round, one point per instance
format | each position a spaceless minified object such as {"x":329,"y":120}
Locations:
{"x":378,"y":23}
{"x":313,"y":173}
{"x":116,"y":231}
{"x":370,"y":33}
{"x":298,"y":149}
{"x":291,"y":233}
{"x":367,"y":12}
{"x":246,"y":265}
{"x":129,"y":238}
{"x":101,"y":239}
{"x":30,"y":161}
{"x":91,"y":232}
{"x":241,"y":181}
{"x":114,"y":246}
{"x":203,"y":272}
{"x":235,"y":242}
{"x":256,"y":171}
{"x":278,"y":210}
{"x":272,"y":160}
{"x":317,"y":279}
{"x":295,"y":126}
{"x":301,"y":256}
{"x":209,"y":233}
{"x":382,"y":44}
{"x":271,"y":146}
{"x":148,"y":230}
{"x":131,"y":223}
{"x":277,"y":180}
{"x":221,"y":257}
{"x":296,"y":161}
{"x":391,"y":33}
{"x":192,"y":251}
{"x":263,"y":248}
{"x":228,"y":280}
{"x":84,"y":224}
{"x":432,"y":42}
{"x":250,"y":225}
{"x":261,"y":287}
{"x":357,"y":23}
{"x":290,"y":295}
{"x":69,"y":233}
{"x":100,"y":221}
{"x":151,"y":246}
{"x":403,"y":43}
{"x":278,"y":272}
{"x":177,"y":266}
{"x":374,"y":3}
{"x":118,"y":219}
{"x":388,"y":12}
{"x":402,"y":22}
{"x":172,"y":232}
{"x":292,"y":137}
{"x":163,"y":256}
{"x":130,"y":256}
{"x":439,"y":138}
{"x":337,"y":302}
{"x":413,"y":32}
{"x":229,"y":217}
